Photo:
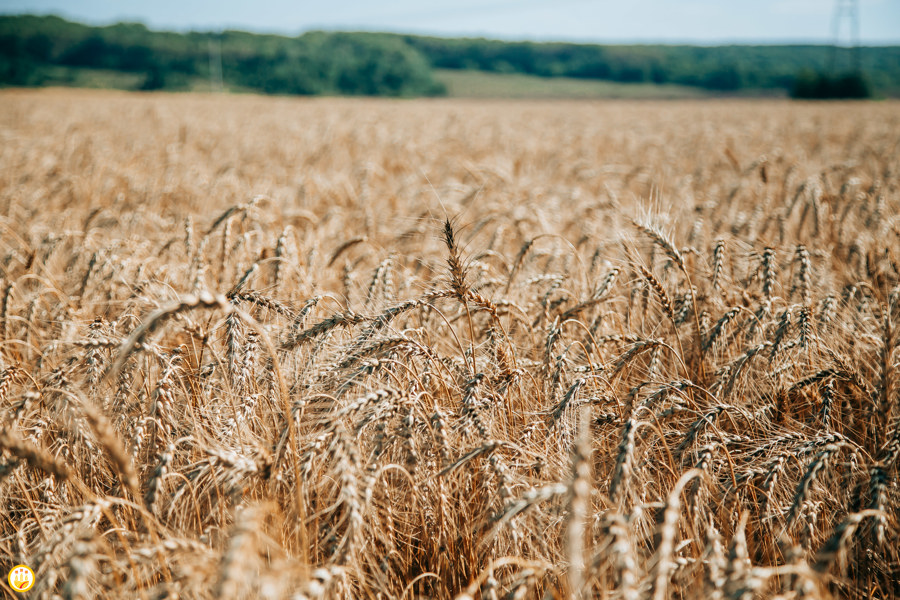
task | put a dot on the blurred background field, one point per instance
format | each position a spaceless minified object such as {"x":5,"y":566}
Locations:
{"x":481,"y":84}
{"x":47,"y":51}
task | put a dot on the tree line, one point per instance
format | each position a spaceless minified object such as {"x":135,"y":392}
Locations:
{"x":41,"y":50}
{"x":805,"y":71}
{"x":32,"y":50}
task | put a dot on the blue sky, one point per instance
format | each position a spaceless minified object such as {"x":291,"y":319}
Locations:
{"x":693,"y":21}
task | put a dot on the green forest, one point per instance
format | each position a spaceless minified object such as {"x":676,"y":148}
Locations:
{"x":38,"y":50}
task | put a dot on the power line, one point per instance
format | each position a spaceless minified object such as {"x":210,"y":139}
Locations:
{"x":215,"y":64}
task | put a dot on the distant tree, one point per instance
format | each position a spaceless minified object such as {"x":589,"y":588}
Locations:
{"x":93,"y":51}
{"x":362,"y":64}
{"x":136,"y":58}
{"x":631,"y":73}
{"x":807,"y":84}
{"x":659,"y":74}
{"x":851,"y":85}
{"x":18,"y":66}
{"x":724,"y":78}
{"x":590,"y":69}
{"x":39,"y":47}
{"x":811,"y":85}
{"x":155,"y":79}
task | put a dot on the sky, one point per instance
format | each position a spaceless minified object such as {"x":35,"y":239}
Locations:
{"x":603,"y":21}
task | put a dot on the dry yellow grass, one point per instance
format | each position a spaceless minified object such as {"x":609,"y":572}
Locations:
{"x":282,"y":348}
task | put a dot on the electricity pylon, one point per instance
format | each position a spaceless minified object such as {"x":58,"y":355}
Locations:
{"x":215,"y":64}
{"x":845,"y":11}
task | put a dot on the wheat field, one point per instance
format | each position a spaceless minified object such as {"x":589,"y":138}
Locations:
{"x":326,"y":348}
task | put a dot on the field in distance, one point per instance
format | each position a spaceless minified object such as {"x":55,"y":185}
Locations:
{"x":482,"y":84}
{"x":354,"y":348}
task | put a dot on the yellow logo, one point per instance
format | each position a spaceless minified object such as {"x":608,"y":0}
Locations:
{"x":21,"y":578}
